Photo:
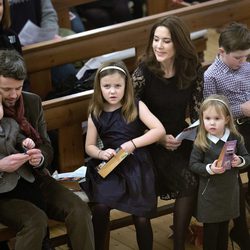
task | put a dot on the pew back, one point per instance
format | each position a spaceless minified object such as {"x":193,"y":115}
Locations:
{"x":88,"y":44}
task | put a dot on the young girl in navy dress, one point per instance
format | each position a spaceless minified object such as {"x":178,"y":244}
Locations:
{"x":121,"y":121}
{"x":218,"y":196}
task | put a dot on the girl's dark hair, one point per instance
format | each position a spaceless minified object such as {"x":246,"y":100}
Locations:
{"x":235,"y":36}
{"x":186,"y":60}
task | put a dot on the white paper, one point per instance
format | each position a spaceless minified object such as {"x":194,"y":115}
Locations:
{"x":79,"y":173}
{"x":32,"y":33}
{"x":96,"y":62}
{"x":198,"y":34}
{"x":188,"y":133}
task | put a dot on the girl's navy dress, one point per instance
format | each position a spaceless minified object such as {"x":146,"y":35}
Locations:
{"x":130,"y":187}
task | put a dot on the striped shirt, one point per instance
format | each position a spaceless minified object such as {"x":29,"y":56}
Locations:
{"x":234,"y":84}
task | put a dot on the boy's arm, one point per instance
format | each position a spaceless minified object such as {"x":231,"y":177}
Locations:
{"x":209,"y":86}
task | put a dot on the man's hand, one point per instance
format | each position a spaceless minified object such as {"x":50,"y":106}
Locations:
{"x":13,"y":162}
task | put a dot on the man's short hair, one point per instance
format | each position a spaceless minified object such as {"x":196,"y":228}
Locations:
{"x":12,"y":65}
{"x":236,"y":36}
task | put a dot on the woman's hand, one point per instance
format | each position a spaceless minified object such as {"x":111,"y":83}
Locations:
{"x":169,"y":142}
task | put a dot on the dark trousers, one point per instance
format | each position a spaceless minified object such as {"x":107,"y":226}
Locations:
{"x":61,"y":204}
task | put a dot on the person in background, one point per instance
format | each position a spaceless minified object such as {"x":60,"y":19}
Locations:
{"x":229,"y":75}
{"x":27,"y":203}
{"x":218,"y":196}
{"x":43,"y":14}
{"x":120,"y":121}
{"x":104,"y":12}
{"x":8,"y":38}
{"x":169,"y":79}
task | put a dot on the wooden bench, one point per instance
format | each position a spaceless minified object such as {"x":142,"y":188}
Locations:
{"x":66,"y":114}
{"x":62,"y":8}
{"x":89,"y":44}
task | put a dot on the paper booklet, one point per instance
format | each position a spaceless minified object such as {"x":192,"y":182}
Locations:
{"x":105,"y":168}
{"x":226,"y":155}
{"x":77,"y":175}
{"x":188,"y":133}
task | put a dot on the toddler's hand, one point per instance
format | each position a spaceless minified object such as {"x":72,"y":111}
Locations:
{"x":28,"y":143}
{"x":217,"y":170}
{"x":236,"y":161}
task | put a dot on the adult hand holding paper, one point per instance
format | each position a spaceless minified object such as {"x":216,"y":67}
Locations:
{"x":189,"y":133}
{"x":32,"y":33}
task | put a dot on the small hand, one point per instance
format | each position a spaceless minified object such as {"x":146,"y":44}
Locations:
{"x":128,"y":147}
{"x":236,"y":161}
{"x":28,"y":143}
{"x":106,"y":154}
{"x":217,"y":170}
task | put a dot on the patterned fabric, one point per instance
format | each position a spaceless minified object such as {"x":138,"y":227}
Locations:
{"x":234,"y":84}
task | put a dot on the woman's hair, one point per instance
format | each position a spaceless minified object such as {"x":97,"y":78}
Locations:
{"x":235,"y":36}
{"x":6,"y":22}
{"x":129,"y":109}
{"x":221,"y":105}
{"x":186,"y":60}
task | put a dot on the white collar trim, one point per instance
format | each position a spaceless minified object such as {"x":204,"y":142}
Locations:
{"x":215,"y":139}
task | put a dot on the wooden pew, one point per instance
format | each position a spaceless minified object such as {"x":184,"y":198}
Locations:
{"x":66,"y":114}
{"x":62,"y":8}
{"x":158,"y":6}
{"x":88,"y":44}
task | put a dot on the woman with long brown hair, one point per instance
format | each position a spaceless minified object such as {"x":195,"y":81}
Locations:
{"x":169,"y":80}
